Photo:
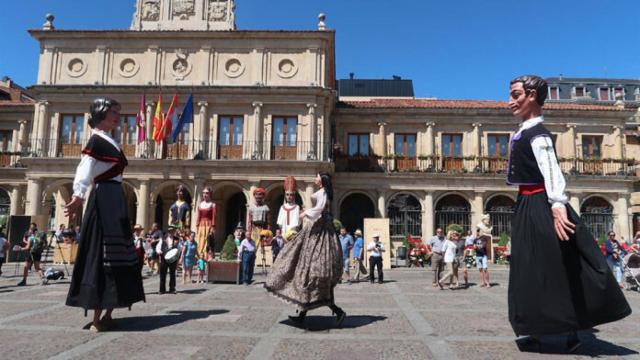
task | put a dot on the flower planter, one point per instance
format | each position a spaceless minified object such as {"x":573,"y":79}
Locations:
{"x":224,"y":271}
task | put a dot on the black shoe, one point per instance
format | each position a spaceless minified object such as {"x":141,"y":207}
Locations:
{"x":340,"y":315}
{"x":22,"y":283}
{"x":162,"y":292}
{"x":573,"y":343}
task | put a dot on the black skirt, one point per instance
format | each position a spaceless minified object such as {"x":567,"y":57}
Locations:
{"x":94,"y":285}
{"x":557,"y":286}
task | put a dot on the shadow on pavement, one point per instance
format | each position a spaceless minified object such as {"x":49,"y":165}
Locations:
{"x":323,"y":323}
{"x":154,"y":322}
{"x":591,"y":346}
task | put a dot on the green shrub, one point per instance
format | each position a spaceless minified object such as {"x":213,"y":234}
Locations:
{"x":504,"y":239}
{"x":229,"y":249}
{"x":455,"y":227}
{"x":337,"y":224}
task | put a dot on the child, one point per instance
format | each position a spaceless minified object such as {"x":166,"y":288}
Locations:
{"x":189,"y":255}
{"x":201,"y":269}
{"x":247,"y":253}
{"x":449,"y":250}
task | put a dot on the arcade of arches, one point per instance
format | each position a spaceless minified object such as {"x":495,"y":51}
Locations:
{"x":417,"y":213}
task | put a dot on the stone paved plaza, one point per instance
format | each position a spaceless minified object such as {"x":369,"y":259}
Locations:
{"x":404,"y":318}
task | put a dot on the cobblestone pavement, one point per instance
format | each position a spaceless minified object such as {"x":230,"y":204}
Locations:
{"x":404,"y":318}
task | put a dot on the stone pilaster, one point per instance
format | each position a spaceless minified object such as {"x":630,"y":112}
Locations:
{"x":312,"y":153}
{"x":256,"y":152}
{"x":142,"y":215}
{"x":34,"y":197}
{"x":428,"y":216}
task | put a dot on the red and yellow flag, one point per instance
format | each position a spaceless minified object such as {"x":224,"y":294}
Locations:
{"x":158,"y":122}
{"x":171,"y":118}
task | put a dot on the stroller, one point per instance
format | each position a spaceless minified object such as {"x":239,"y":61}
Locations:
{"x":631,"y":271}
{"x":52,"y":274}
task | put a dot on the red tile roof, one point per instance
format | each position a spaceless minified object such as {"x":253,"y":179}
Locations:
{"x":460,"y":104}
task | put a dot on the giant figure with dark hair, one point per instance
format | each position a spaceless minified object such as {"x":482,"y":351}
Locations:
{"x":309,"y":266}
{"x":106,"y":273}
{"x":559,"y":282}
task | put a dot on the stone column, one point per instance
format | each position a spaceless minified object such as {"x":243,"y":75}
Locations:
{"x":383,"y":145}
{"x":17,"y":204}
{"x":34,"y":197}
{"x":39,"y":138}
{"x":144,"y":149}
{"x":618,"y":132}
{"x":23,"y":142}
{"x":143,"y":204}
{"x":571,"y":133}
{"x":429,"y":146}
{"x":200,"y":128}
{"x":477,"y":208}
{"x":428,"y":216}
{"x":256,"y":152}
{"x":382,"y":204}
{"x":622,"y":209}
{"x":477,"y":140}
{"x":312,"y":154}
{"x":306,"y":199}
{"x":15,"y":145}
{"x":574,"y":201}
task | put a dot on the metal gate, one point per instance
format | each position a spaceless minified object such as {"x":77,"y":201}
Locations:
{"x":405,"y":217}
{"x":448,"y":215}
{"x":501,"y":220}
{"x":599,"y":223}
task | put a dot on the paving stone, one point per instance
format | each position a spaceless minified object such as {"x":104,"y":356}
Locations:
{"x":352,"y":350}
{"x":21,"y":345}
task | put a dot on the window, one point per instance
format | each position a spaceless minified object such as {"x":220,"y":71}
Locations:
{"x":405,"y":145}
{"x":126,"y":133}
{"x":452,"y":145}
{"x":604,"y":94}
{"x":580,"y":91}
{"x":5,"y":141}
{"x":498,"y":145}
{"x":591,"y":146}
{"x":358,"y":144}
{"x":72,"y":129}
{"x":285,"y":131}
{"x":553,"y":93}
{"x":230,"y":132}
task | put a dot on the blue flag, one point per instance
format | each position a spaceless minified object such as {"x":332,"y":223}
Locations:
{"x":185,"y":118}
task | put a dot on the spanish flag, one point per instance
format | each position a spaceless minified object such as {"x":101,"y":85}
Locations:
{"x":170,"y":119}
{"x":158,"y":122}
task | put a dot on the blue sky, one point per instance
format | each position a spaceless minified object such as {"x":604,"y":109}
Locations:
{"x":464,"y":49}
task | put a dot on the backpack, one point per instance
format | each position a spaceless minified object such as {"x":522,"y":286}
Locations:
{"x":38,"y":244}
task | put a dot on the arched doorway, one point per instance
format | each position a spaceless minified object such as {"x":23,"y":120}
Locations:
{"x":236,"y":213}
{"x":354,"y":209}
{"x":500,"y":209}
{"x":453,"y":209}
{"x":165,"y":198}
{"x":597,"y":215}
{"x":55,"y":197}
{"x":405,"y":217}
{"x":275,"y":199}
{"x":5,"y":208}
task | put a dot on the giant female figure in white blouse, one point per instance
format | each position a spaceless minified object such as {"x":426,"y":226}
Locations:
{"x":106,"y":274}
{"x":309,"y":266}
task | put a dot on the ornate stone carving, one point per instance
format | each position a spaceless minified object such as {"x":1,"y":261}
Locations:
{"x":183,"y":9}
{"x":76,"y":67}
{"x":128,"y":68}
{"x":181,"y":66}
{"x":287,"y":68}
{"x":233,"y":68}
{"x":218,"y":10}
{"x":151,"y":10}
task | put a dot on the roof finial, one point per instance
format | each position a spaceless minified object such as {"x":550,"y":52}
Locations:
{"x":321,"y":25}
{"x":49,"y":24}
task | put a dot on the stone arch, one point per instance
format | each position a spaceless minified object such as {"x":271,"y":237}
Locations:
{"x":404,"y":210}
{"x":231,"y":201}
{"x":453,"y":208}
{"x":596,"y":213}
{"x":354,"y":208}
{"x":500,"y":208}
{"x":55,"y":195}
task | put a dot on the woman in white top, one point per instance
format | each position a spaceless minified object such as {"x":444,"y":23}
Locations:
{"x":449,"y":250}
{"x":106,"y":273}
{"x":309,"y":266}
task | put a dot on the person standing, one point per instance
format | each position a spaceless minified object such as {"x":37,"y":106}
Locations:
{"x":169,"y":242}
{"x":189,"y":255}
{"x":615,"y":253}
{"x":346,"y":241}
{"x":358,"y":255}
{"x":247,"y":256}
{"x":4,"y":246}
{"x":139,"y":244}
{"x":106,"y":272}
{"x":437,"y":263}
{"x":559,"y":282}
{"x":449,"y":249}
{"x":482,"y":260}
{"x":375,"y":249}
{"x":310,"y":266}
{"x":276,"y":244}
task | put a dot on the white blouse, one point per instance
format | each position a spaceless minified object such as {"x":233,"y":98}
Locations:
{"x":319,"y":199}
{"x":90,"y":167}
{"x":542,"y":147}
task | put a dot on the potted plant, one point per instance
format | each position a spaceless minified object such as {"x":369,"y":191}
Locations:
{"x":227,"y":269}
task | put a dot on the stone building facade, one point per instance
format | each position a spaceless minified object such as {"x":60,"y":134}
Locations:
{"x":266,"y":107}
